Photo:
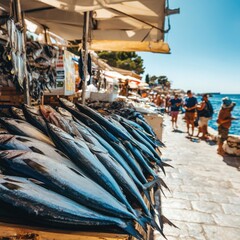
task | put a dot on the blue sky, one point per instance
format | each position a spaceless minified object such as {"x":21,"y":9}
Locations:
{"x":205,"y":47}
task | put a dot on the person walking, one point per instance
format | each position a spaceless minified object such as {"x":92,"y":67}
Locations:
{"x":224,"y":121}
{"x":205,"y":112}
{"x":190,"y":106}
{"x":175,"y":104}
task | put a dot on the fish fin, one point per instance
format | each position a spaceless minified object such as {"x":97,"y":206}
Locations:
{"x":129,"y":228}
{"x":166,"y":160}
{"x":159,"y":151}
{"x":166,"y":165}
{"x":9,"y":155}
{"x":167,"y":221}
{"x":23,"y":139}
{"x":33,"y":180}
{"x":36,"y":150}
{"x":162,"y":183}
{"x":160,"y":164}
{"x":6,"y":138}
{"x":155,"y":226}
{"x":76,"y":171}
{"x":12,"y":180}
{"x":10,"y":186}
{"x":150,"y":185}
{"x":36,"y":166}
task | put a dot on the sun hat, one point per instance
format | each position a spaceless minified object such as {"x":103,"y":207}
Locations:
{"x":227,"y":102}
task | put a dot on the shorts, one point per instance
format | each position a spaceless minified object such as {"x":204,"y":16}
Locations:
{"x":222,"y":134}
{"x":203,"y":121}
{"x":174,"y":113}
{"x":190,"y":116}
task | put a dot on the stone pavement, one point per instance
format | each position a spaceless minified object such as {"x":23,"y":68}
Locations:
{"x":204,"y":201}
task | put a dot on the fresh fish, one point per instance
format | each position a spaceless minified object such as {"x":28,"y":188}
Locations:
{"x":142,"y":162}
{"x":116,"y":144}
{"x":65,"y":113}
{"x":17,"y":113}
{"x":120,"y":175}
{"x":116,"y":131}
{"x":58,"y":120}
{"x":50,"y":207}
{"x":139,"y":138}
{"x":137,"y":128}
{"x":33,"y":116}
{"x":145,"y":126}
{"x":143,"y":146}
{"x":23,"y":128}
{"x":14,"y":142}
{"x":92,"y":137}
{"x":64,"y":180}
{"x":104,"y":122}
{"x":88,"y":121}
{"x":80,"y":154}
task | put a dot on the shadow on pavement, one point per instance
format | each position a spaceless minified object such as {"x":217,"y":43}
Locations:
{"x":232,"y":161}
{"x":211,"y":142}
{"x":178,"y":131}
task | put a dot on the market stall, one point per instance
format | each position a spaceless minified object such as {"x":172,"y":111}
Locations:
{"x":71,"y":172}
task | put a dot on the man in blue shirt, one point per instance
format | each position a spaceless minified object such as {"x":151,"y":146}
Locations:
{"x":175,"y":104}
{"x":190,"y":106}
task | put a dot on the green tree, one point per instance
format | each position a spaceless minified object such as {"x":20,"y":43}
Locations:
{"x":125,"y":60}
{"x":160,"y":80}
{"x":147,"y":79}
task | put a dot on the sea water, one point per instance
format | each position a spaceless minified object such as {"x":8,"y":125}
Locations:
{"x":216,"y":101}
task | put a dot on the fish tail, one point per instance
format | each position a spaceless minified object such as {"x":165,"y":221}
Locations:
{"x":129,"y":228}
{"x":164,"y":164}
{"x":149,"y":185}
{"x":161,"y":164}
{"x":167,"y":221}
{"x":155,"y":226}
{"x":162,"y":183}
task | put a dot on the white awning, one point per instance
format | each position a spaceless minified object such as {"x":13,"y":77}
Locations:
{"x":120,"y":21}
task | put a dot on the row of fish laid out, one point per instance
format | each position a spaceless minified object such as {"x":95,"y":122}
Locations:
{"x":72,"y":167}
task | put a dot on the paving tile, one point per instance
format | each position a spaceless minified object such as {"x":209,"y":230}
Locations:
{"x":215,"y":197}
{"x":232,"y":209}
{"x":187,"y":216}
{"x":176,"y":203}
{"x":220,"y":190}
{"x":186,"y":195}
{"x":206,"y":207}
{"x":234,"y":200}
{"x":195,"y":231}
{"x":192,"y":189}
{"x":221,"y":233}
{"x":226,"y":220}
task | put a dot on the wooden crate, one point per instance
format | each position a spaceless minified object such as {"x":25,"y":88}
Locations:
{"x":17,"y":232}
{"x":156,"y":122}
{"x":10,"y":96}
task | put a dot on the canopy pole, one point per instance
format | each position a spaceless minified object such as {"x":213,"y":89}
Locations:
{"x":85,"y":51}
{"x":19,"y":18}
{"x":27,"y":98}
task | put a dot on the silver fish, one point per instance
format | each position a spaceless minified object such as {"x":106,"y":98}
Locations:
{"x":50,"y":207}
{"x":23,"y":128}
